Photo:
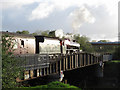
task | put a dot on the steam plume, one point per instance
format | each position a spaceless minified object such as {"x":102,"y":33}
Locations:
{"x":81,"y":16}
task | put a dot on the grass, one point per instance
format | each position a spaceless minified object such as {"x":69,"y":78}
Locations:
{"x":55,"y":84}
{"x":116,"y":61}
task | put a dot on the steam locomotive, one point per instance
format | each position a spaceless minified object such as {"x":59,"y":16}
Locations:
{"x":29,"y":44}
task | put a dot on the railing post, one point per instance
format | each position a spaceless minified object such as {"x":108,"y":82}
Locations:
{"x":84,"y":59}
{"x":57,"y":67}
{"x":38,"y":73}
{"x":72,"y":61}
{"x":60,"y":65}
{"x":77,"y":60}
{"x":92,"y":59}
{"x":81,"y":59}
{"x":26,"y":75}
{"x":47,"y":71}
{"x":66,"y":62}
{"x":31,"y":73}
{"x":88,"y":59}
{"x":50,"y":68}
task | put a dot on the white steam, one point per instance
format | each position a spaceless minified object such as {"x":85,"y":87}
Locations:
{"x":59,"y":33}
{"x":81,"y":16}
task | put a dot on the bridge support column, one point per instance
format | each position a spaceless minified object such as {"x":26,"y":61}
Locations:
{"x":99,"y":70}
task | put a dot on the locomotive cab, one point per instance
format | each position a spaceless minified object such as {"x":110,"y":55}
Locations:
{"x":71,"y":46}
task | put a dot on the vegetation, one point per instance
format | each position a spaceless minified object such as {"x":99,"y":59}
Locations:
{"x":84,"y":43}
{"x":104,"y":49}
{"x":10,"y":69}
{"x":115,"y":61}
{"x":116,"y":54}
{"x":54,"y":84}
{"x":45,"y":33}
{"x":103,"y":40}
{"x":23,"y":32}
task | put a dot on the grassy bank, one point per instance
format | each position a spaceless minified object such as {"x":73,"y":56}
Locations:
{"x":115,"y":61}
{"x":55,"y":84}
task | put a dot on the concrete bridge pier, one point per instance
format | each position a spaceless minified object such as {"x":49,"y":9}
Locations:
{"x":100,"y":69}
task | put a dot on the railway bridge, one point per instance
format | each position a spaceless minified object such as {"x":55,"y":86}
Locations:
{"x":39,"y":65}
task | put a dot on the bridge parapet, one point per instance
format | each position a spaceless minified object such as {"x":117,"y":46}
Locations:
{"x":39,"y":65}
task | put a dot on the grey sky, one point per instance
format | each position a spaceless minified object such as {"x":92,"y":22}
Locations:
{"x":35,"y":15}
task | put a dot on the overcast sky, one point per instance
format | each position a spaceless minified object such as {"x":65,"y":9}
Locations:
{"x":97,"y":19}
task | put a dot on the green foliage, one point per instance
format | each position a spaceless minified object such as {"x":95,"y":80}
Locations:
{"x":59,"y":85}
{"x":103,"y":41}
{"x":52,"y":33}
{"x":55,"y":84}
{"x":34,"y":34}
{"x":115,"y":61}
{"x":84,"y":43}
{"x":116,"y":54}
{"x":45,"y":33}
{"x":23,"y":32}
{"x":10,"y":69}
{"x":104,"y":48}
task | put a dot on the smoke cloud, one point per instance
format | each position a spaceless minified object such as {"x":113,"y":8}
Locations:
{"x":81,"y":16}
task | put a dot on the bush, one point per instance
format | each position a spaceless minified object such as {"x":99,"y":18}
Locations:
{"x":55,"y":84}
{"x":116,"y":54}
{"x":10,"y":69}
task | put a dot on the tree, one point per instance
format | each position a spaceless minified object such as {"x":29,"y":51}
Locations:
{"x":10,"y":69}
{"x":103,"y":41}
{"x":84,"y":43}
{"x":34,"y":34}
{"x":45,"y":33}
{"x":52,"y":33}
{"x":116,"y":54}
{"x":23,"y":32}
